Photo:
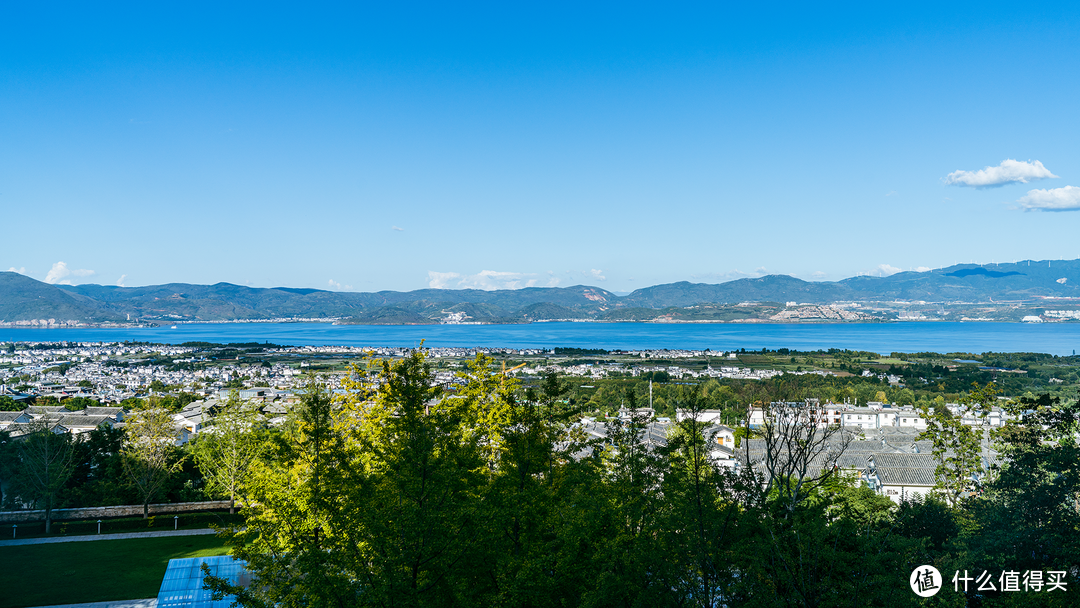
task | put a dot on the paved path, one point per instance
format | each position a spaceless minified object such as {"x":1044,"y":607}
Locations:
{"x":74,"y":539}
{"x":149,"y":603}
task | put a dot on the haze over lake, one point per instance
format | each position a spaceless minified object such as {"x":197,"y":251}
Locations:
{"x":1053,"y":338}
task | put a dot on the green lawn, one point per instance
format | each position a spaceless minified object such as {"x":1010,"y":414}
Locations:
{"x":95,"y":571}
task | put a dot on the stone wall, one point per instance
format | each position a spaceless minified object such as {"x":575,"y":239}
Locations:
{"x":108,"y":512}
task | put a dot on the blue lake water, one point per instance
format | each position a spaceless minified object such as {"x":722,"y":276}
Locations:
{"x":1053,"y":338}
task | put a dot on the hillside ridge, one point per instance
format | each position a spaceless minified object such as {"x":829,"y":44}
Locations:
{"x":24,"y":299}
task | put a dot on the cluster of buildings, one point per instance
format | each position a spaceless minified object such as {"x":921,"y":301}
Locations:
{"x":112,"y":372}
{"x":818,"y":313}
{"x":874,"y":416}
{"x":43,"y":323}
{"x":58,"y":419}
{"x":893,"y":463}
{"x":665,"y":353}
{"x":402,"y":351}
{"x":877,"y":445}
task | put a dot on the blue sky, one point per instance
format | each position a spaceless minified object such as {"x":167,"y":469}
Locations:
{"x":619,"y":145}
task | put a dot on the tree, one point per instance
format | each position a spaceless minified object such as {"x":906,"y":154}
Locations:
{"x":149,"y":452}
{"x":99,"y":477}
{"x":45,"y":464}
{"x":7,"y":404}
{"x":628,"y":561}
{"x":375,"y":500}
{"x":703,"y":507}
{"x":799,"y":452}
{"x":956,"y":446}
{"x":227,"y":447}
{"x":75,"y":404}
{"x":1028,"y":516}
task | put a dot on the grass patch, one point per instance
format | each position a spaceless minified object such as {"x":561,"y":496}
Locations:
{"x":885,"y":361}
{"x":94,"y":571}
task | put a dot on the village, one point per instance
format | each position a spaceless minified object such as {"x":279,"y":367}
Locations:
{"x":42,"y":381}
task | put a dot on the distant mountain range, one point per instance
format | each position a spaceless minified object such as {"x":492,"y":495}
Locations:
{"x":23,"y":298}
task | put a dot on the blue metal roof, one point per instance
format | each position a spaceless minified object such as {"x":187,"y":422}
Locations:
{"x":182,"y":586}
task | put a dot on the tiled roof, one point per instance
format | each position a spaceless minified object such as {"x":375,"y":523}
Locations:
{"x":906,"y":476}
{"x":921,"y":461}
{"x":77,"y":421}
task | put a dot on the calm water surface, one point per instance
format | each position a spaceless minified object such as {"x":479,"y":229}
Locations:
{"x":1054,"y":338}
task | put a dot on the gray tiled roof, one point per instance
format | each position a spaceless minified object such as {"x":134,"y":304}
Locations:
{"x":919,"y":461}
{"x":870,"y":446}
{"x":77,"y":421}
{"x":906,"y":476}
{"x":37,"y":410}
{"x":102,"y":411}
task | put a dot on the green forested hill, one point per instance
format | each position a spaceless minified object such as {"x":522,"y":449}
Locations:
{"x":23,"y":298}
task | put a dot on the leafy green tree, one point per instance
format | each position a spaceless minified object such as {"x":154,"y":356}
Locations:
{"x":927,"y":517}
{"x":149,"y":452}
{"x":1028,"y":516}
{"x":957,"y":446}
{"x":45,"y":464}
{"x":377,"y":499}
{"x":833,"y":549}
{"x":701,"y":524}
{"x":76,"y":404}
{"x":99,"y":477}
{"x":543,"y":504}
{"x":628,"y":560}
{"x":228,"y":446}
{"x":7,"y":404}
{"x":291,"y":543}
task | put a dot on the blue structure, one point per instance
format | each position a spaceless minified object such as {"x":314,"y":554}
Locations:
{"x":182,"y":586}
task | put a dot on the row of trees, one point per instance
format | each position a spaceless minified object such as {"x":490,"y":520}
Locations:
{"x":137,"y":464}
{"x":399,"y":494}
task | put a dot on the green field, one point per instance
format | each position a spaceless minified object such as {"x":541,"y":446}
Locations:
{"x":95,"y":571}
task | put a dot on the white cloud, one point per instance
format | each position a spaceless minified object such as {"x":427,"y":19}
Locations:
{"x":487,"y":280}
{"x":396,"y":228}
{"x":597,"y":275}
{"x":886,"y":270}
{"x":120,"y":281}
{"x":893,"y":193}
{"x":817,"y":276}
{"x":922,"y":269}
{"x":441,"y":280}
{"x":1008,"y":172}
{"x":60,"y":271}
{"x":1055,"y":199}
{"x":18,"y":270}
{"x":338,"y":286}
